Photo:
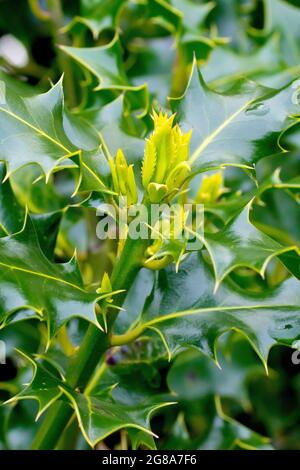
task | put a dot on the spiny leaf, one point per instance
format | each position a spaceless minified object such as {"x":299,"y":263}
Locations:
{"x":224,"y":433}
{"x":44,"y":387}
{"x":12,"y":217}
{"x":226,"y":66}
{"x":241,"y":244}
{"x":193,"y":376}
{"x":237,"y":128}
{"x":284,"y":17}
{"x":32,"y":130}
{"x":199,"y":317}
{"x":100,"y":417}
{"x":105,"y":62}
{"x":193,"y":14}
{"x":92,"y":172}
{"x":97,"y":16}
{"x":30,"y":281}
{"x":114,"y":125}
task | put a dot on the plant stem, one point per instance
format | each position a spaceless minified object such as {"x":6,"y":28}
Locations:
{"x":126,"y":338}
{"x":93,"y":346}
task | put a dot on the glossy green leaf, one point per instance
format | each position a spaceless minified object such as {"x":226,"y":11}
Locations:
{"x":97,"y":16}
{"x":12,"y":217}
{"x":235,"y":300}
{"x":241,"y":244}
{"x":193,"y":376}
{"x":237,"y":128}
{"x":33,"y":130}
{"x":44,"y":387}
{"x":33,"y":123}
{"x":30,"y":281}
{"x":105,"y":62}
{"x":11,"y":213}
{"x":284,"y":17}
{"x":99,"y":415}
{"x":117,"y":129}
{"x":199,"y":317}
{"x":98,"y":418}
{"x":226,"y":433}
{"x":193,"y":14}
{"x":226,"y":66}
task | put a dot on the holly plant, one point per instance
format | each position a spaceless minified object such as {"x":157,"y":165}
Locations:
{"x":149,"y":224}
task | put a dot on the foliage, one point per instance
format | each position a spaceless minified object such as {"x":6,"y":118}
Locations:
{"x":145,"y":342}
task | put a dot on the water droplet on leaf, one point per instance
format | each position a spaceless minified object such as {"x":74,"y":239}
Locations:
{"x":258,"y":109}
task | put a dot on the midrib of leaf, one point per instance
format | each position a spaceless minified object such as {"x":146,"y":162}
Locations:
{"x":206,"y":142}
{"x":184,"y":313}
{"x":36,"y":129}
{"x":93,"y":174}
{"x":36,"y":273}
{"x":4,"y":230}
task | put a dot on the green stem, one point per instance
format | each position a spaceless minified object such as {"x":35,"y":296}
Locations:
{"x":65,"y":65}
{"x":93,"y":346}
{"x":129,"y":337}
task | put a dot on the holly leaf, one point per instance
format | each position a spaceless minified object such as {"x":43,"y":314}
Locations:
{"x":55,"y":292}
{"x":226,"y":433}
{"x":240,"y":243}
{"x":105,"y":63}
{"x":44,"y":387}
{"x":11,"y":213}
{"x":153,"y":63}
{"x":34,"y":130}
{"x":192,"y":376}
{"x":237,"y":128}
{"x":192,"y":14}
{"x":99,"y":416}
{"x":97,"y":16}
{"x":32,"y":284}
{"x":139,"y":383}
{"x":114,"y":125}
{"x":284,"y":17}
{"x":198,"y":318}
{"x":193,"y":36}
{"x":226,"y":66}
{"x":12,"y":217}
